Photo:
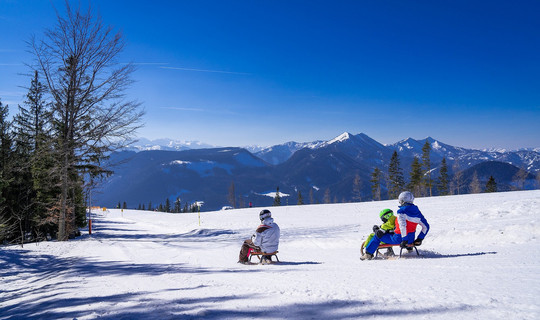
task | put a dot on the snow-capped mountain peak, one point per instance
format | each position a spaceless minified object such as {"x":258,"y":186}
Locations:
{"x":342,"y":137}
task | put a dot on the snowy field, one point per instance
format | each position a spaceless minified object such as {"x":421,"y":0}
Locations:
{"x":481,"y":260}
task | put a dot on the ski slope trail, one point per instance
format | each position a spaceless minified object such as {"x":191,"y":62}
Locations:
{"x":481,"y":259}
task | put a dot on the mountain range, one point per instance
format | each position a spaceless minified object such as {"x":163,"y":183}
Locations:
{"x":151,"y":172}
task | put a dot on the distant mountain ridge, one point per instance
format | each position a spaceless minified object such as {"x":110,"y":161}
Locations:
{"x":527,"y":158}
{"x":320,"y":171}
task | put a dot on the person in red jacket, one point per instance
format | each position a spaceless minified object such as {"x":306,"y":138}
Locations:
{"x":408,"y":218}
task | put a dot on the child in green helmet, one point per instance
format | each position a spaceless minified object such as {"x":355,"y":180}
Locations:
{"x":388,"y":226}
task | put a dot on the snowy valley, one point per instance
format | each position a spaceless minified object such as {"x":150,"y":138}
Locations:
{"x":480,"y":260}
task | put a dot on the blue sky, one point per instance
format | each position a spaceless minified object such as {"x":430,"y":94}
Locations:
{"x":235,"y":73}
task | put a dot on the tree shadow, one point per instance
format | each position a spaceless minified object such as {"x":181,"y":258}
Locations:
{"x":209,"y":307}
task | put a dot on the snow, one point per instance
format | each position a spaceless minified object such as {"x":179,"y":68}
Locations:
{"x":480,"y":260}
{"x":342,"y":137}
{"x":272,"y":194}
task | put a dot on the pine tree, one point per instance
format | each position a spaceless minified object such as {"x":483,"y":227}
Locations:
{"x":426,"y":166}
{"x":491,"y":185}
{"x":395,"y":177}
{"x":475,"y":184}
{"x":8,"y":225}
{"x":300,"y":199}
{"x":277,"y":198}
{"x":177,"y":205}
{"x":376,"y":184}
{"x":167,"y":207}
{"x":124,"y":205}
{"x":442,"y":185}
{"x":311,"y":196}
{"x":150,"y":208}
{"x":357,"y":188}
{"x":415,"y":183}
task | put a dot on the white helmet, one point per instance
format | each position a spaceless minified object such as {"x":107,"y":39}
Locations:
{"x":265,"y":214}
{"x":405,"y":197}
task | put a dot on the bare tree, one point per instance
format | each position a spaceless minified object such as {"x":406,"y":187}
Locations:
{"x":86,"y":84}
{"x":458,"y":177}
{"x":475,"y":186}
{"x":357,"y":188}
{"x":232,"y":195}
{"x":519,"y":178}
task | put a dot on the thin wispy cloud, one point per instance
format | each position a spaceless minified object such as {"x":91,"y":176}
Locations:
{"x":11,"y":93}
{"x":147,"y":63}
{"x":204,"y":70}
{"x":210,"y":111}
{"x":184,"y":109}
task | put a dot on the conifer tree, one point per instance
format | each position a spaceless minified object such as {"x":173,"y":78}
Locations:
{"x":177,"y":205}
{"x":300,"y":199}
{"x":7,"y":223}
{"x":442,"y":185}
{"x":491,"y":185}
{"x":415,"y":182}
{"x":376,"y":184}
{"x":124,"y":205}
{"x":396,"y":182}
{"x":167,"y":207}
{"x":311,"y":196}
{"x":426,"y":166}
{"x":277,"y":198}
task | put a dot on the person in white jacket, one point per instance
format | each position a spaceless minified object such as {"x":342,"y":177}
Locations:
{"x":265,"y":239}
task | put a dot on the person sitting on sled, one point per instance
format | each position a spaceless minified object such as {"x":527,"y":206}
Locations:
{"x":265,"y":239}
{"x":388,"y":226}
{"x":408,"y":217}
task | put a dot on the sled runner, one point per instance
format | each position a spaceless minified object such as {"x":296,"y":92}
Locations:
{"x":383,"y":246}
{"x":260,"y":255}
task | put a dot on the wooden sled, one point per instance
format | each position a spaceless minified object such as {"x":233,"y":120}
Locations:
{"x":260,"y":255}
{"x":386,"y":245}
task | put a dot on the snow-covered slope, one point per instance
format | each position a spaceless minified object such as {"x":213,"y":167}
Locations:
{"x":481,"y":260}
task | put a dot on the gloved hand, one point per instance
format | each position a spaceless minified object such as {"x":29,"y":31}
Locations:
{"x":418,"y":242}
{"x":375,"y":228}
{"x":379,"y":233}
{"x":403,"y":244}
